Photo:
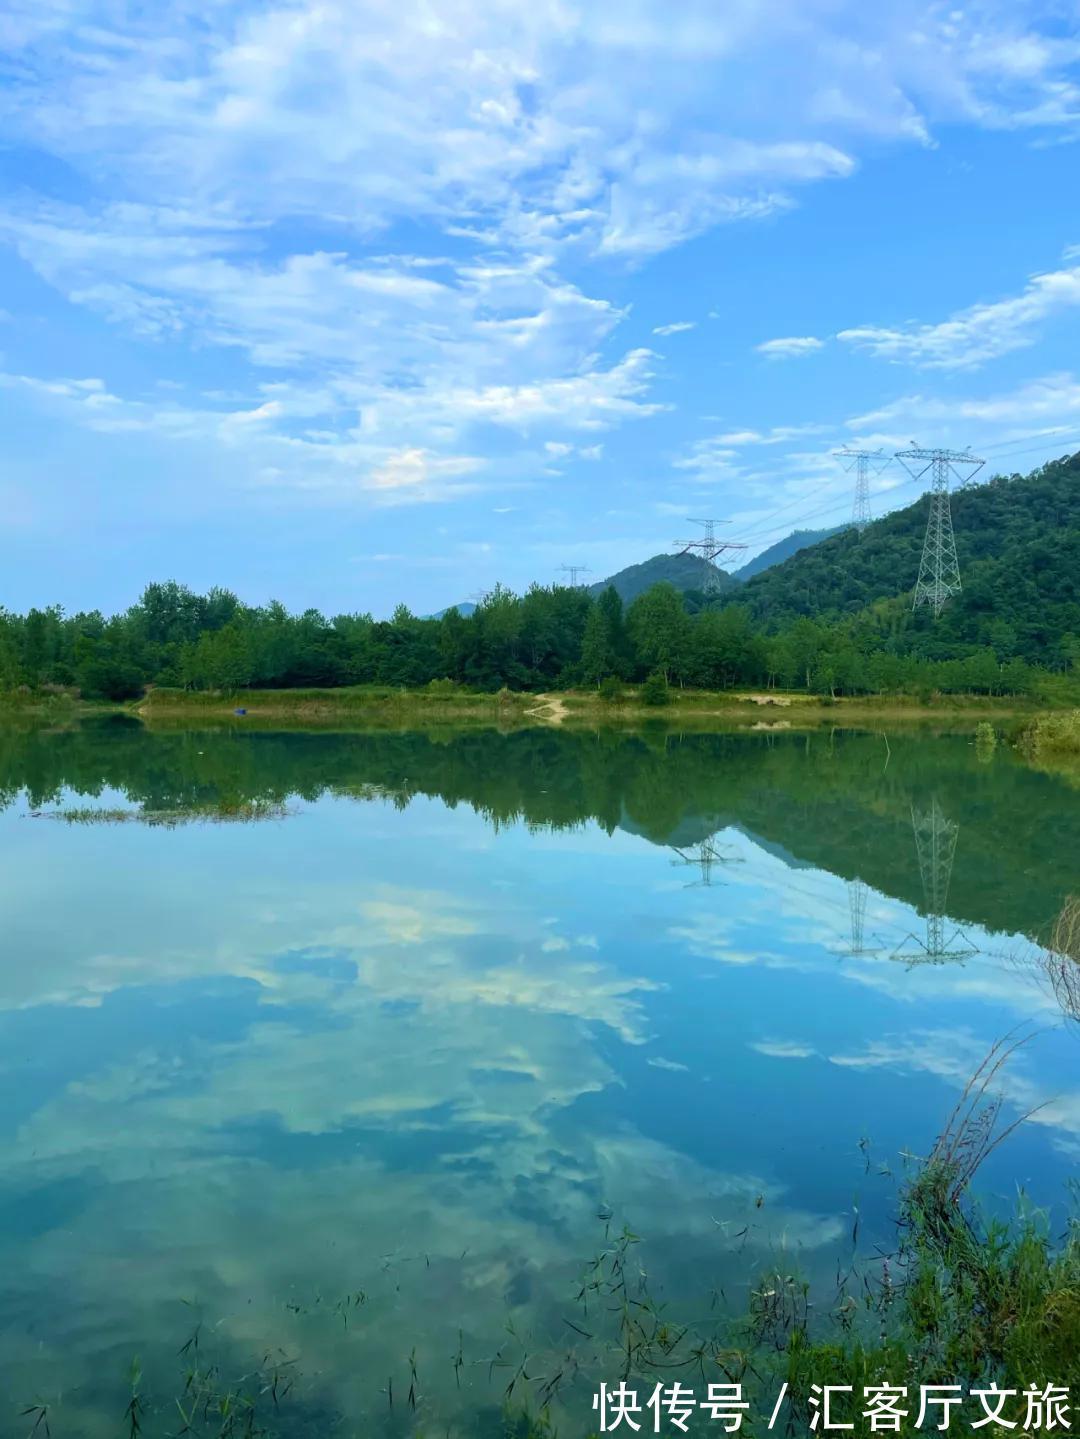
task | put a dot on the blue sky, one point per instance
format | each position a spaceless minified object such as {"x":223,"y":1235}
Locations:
{"x":346,"y":303}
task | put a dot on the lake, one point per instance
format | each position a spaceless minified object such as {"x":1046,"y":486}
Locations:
{"x":331,"y":1058}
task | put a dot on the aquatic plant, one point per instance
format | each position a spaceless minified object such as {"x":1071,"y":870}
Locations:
{"x":985,"y":739}
{"x":244,"y":811}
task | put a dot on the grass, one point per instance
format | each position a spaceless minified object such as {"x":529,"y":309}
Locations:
{"x":382,"y":705}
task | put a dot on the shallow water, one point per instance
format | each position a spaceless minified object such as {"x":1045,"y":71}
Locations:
{"x":365,"y":1078}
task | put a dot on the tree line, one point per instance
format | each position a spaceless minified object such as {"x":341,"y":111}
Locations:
{"x":550,"y":637}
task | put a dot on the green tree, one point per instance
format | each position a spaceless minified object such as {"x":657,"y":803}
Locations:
{"x":660,"y":631}
{"x":598,"y":658}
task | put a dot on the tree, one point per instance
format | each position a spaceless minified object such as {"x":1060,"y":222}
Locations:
{"x":659,"y":629}
{"x":598,"y":658}
{"x":611,"y":607}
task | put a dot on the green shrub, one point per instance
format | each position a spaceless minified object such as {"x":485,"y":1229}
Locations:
{"x":611,"y":689}
{"x":443,"y":688}
{"x":655,"y":690}
{"x":985,"y":737}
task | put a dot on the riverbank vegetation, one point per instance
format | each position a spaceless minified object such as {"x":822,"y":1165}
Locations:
{"x":1053,"y":734}
{"x":551,"y":638}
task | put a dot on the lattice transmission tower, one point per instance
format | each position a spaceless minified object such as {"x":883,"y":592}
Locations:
{"x":864,"y":463}
{"x":704,"y":858}
{"x":939,"y":572}
{"x":709,"y":548}
{"x":857,"y":896}
{"x":573,"y":571}
{"x":935,"y":848}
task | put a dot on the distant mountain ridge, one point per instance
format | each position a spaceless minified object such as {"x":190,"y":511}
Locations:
{"x":783,"y":550}
{"x":687,"y":572}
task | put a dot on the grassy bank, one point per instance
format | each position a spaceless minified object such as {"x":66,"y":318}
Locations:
{"x":629,"y":705}
{"x":1047,"y":737}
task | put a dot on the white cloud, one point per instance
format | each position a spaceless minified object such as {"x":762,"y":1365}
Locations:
{"x":979,"y":333}
{"x":791,"y":347}
{"x":504,"y":118}
{"x":1031,"y":408}
{"x":784,"y":1049}
{"x":496,"y":135}
{"x":417,"y":470}
{"x":675,"y":328}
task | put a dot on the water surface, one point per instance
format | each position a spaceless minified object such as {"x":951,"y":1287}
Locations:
{"x":364,"y":1078}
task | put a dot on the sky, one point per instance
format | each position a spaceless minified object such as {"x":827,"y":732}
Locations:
{"x":346,"y":303}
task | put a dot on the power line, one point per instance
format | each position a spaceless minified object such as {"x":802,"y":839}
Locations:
{"x":760,"y":531}
{"x":761,"y":536}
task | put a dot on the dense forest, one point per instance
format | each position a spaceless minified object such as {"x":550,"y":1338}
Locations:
{"x":835,"y":618}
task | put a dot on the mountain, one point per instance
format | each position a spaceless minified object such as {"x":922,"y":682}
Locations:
{"x":465,"y":609}
{"x":685,"y":572}
{"x":1018,"y":544}
{"x":783,"y":550}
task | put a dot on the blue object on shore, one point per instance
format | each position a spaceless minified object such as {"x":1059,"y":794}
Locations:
{"x":239,"y":712}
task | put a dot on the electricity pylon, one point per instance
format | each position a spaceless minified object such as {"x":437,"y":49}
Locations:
{"x":709,"y":548}
{"x":857,"y":893}
{"x":706,"y":856}
{"x":863,"y":462}
{"x":573,"y":571}
{"x":939,"y":572}
{"x":935,"y":848}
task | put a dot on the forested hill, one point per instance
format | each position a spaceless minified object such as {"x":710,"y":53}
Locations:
{"x":685,"y":572}
{"x":1018,"y":542}
{"x":783,"y":550}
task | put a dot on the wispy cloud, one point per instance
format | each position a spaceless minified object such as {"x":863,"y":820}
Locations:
{"x":676,"y":327}
{"x":790,"y":347}
{"x":977,"y":334}
{"x":784,"y":1049}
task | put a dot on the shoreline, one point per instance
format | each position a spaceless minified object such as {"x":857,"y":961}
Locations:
{"x":360,"y":707}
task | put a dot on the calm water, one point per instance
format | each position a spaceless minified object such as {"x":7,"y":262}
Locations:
{"x":359,"y":1080}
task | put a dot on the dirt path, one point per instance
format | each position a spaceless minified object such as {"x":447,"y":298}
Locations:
{"x":550,"y":709}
